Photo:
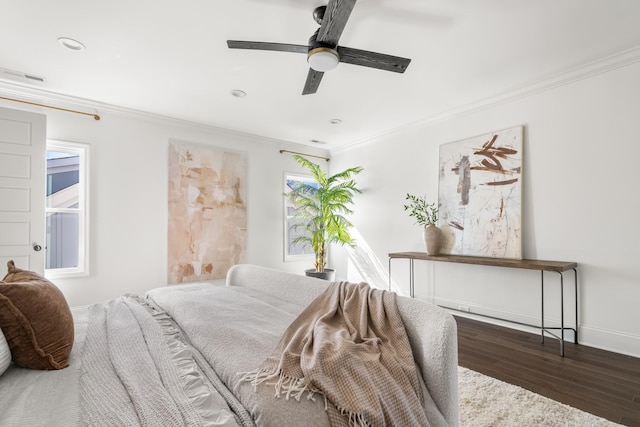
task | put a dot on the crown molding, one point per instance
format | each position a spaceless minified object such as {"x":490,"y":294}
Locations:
{"x":600,"y":66}
{"x":32,"y":94}
{"x":27,"y":93}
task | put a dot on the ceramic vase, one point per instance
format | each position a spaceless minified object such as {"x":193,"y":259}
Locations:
{"x":432,"y":239}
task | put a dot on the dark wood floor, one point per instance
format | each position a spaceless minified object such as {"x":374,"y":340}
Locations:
{"x":597,"y":381}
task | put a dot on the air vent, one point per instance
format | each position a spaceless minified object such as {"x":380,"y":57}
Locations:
{"x":36,"y":78}
{"x":20,"y":76}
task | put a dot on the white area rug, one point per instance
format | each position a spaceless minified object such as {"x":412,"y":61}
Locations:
{"x":486,"y":401}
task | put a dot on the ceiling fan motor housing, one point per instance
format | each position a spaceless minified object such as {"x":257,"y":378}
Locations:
{"x":318,"y":14}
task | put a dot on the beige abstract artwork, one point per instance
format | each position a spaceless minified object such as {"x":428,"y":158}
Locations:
{"x":207,"y":212}
{"x":480,"y":195}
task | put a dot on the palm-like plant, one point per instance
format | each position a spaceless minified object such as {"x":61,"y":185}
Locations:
{"x":321,"y":210}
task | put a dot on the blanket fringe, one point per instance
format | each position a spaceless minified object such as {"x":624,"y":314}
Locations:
{"x":296,"y":388}
{"x":354,"y":419}
{"x":284,"y":385}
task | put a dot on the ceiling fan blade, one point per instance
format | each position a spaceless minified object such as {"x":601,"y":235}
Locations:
{"x":278,"y":47}
{"x":313,"y":81}
{"x":377,"y":60}
{"x":334,"y":21}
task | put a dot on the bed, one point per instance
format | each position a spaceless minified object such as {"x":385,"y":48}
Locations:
{"x":192,"y":355}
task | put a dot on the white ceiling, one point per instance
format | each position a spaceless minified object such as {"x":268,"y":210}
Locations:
{"x":170,"y":58}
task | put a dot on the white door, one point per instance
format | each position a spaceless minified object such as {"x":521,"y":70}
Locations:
{"x":22,"y":189}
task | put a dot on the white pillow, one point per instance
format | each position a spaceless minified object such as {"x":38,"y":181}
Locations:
{"x":5,"y":354}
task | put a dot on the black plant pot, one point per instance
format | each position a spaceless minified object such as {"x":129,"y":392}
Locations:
{"x":327,"y":274}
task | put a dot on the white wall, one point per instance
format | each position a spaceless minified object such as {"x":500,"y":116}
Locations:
{"x":128,"y":211}
{"x":580,"y":203}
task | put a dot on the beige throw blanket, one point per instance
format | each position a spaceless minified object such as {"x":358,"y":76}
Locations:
{"x":350,"y":346}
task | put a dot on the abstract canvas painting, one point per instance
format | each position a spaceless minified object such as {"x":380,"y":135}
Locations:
{"x":207,"y":212}
{"x":479,"y":196}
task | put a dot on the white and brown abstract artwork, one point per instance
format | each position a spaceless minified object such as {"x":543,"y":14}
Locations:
{"x":207,"y":212}
{"x":480,"y":195}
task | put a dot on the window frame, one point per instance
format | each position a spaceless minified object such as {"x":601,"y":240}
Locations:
{"x":83,"y":152}
{"x":287,"y":257}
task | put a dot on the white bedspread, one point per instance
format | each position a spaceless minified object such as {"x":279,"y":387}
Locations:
{"x":138,"y":370}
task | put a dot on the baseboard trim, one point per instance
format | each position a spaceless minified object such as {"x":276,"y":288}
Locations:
{"x":615,"y":341}
{"x":604,"y":339}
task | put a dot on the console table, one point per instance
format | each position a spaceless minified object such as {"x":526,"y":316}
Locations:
{"x":527,"y":264}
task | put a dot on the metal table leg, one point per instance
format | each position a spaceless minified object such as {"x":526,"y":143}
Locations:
{"x":575,"y":290}
{"x":561,"y":314}
{"x":389,"y":285}
{"x":542,"y":305}
{"x":562,"y":327}
{"x":411,"y":277}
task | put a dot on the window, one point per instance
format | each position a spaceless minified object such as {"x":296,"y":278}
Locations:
{"x":67,"y":209}
{"x":294,"y":251}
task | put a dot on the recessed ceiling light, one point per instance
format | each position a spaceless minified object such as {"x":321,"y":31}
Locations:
{"x":238,"y":93}
{"x":335,"y":121}
{"x":71,"y":44}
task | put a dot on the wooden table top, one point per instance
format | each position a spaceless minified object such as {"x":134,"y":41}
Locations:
{"x":529,"y":264}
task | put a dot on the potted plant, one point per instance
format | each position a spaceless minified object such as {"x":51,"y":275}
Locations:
{"x":321,"y":210}
{"x":426,"y":215}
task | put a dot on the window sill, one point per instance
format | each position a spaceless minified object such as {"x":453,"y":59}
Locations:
{"x":65,"y":273}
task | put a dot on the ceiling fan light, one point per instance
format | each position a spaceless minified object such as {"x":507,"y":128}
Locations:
{"x":323,"y":59}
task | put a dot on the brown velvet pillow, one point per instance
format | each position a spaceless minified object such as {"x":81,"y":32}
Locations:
{"x":35,"y":319}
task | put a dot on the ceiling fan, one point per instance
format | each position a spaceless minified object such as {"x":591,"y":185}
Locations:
{"x":323,"y":52}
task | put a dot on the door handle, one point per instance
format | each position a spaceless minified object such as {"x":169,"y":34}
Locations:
{"x":37,"y":247}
